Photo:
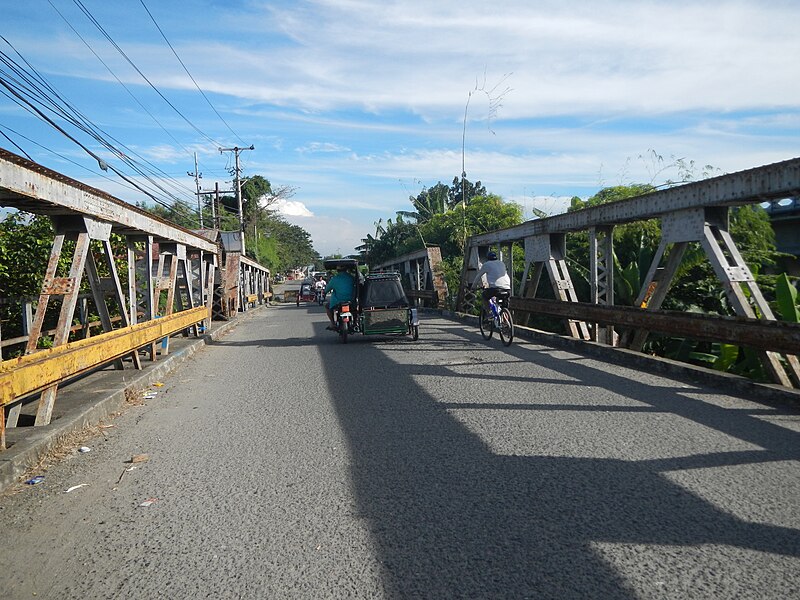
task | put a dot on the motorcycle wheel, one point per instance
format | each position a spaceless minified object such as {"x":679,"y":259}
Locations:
{"x":415,"y":332}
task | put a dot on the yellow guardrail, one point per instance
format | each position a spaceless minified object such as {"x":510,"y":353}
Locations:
{"x":32,"y":373}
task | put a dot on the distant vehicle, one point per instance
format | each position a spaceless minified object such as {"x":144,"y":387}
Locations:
{"x":306,"y":292}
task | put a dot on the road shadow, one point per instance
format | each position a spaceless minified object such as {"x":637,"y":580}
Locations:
{"x":452,"y":519}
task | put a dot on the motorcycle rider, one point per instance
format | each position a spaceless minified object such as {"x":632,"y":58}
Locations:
{"x":319,"y":285}
{"x":342,"y":285}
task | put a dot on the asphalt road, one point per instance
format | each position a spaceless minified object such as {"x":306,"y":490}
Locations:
{"x":283,"y":464}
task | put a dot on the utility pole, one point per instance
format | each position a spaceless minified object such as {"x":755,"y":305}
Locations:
{"x":197,"y":177}
{"x":215,"y":203}
{"x":238,"y":184}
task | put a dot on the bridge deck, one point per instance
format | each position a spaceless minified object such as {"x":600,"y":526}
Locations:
{"x":285,"y":464}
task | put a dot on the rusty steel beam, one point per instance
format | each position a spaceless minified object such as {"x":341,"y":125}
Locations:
{"x":20,"y":377}
{"x":416,"y":255}
{"x":774,"y":336}
{"x":422,"y":294}
{"x":761,"y":184}
{"x":251,"y":263}
{"x":28,"y":186}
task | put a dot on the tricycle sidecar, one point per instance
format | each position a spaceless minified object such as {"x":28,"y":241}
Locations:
{"x":306,"y":292}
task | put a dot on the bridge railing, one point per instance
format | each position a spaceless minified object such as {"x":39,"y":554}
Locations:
{"x":422,"y":275}
{"x":692,"y":213}
{"x":171,"y":271}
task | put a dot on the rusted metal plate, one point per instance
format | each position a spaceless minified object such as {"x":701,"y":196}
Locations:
{"x":251,"y":263}
{"x":773,"y":336}
{"x":58,"y":286}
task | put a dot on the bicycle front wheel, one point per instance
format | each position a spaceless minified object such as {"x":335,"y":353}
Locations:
{"x":486,"y":324}
{"x":506,"y":327}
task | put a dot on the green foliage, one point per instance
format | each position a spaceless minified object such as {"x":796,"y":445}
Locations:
{"x":787,"y":300}
{"x":611,"y":194}
{"x":484,"y":213}
{"x":284,"y":245}
{"x":175,"y":213}
{"x":25,"y":244}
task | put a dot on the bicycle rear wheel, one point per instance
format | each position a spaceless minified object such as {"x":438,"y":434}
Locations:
{"x":506,"y":327}
{"x":486,"y":324}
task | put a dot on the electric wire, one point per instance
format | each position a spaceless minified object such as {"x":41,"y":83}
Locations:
{"x":131,"y":94}
{"x":188,"y":73}
{"x":13,"y":143}
{"x":179,"y":206}
{"x":27,"y":83}
{"x":61,"y":156}
{"x":94,"y":21}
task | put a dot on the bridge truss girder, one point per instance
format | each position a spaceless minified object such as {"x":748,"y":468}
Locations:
{"x":696,"y":212}
{"x":424,"y":271}
{"x":167,"y":266}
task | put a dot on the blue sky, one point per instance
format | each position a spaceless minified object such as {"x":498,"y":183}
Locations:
{"x":358,"y":104}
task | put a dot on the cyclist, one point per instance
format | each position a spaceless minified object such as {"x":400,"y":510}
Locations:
{"x":496,"y":277}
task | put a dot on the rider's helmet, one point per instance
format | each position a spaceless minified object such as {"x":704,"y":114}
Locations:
{"x":492,"y":255}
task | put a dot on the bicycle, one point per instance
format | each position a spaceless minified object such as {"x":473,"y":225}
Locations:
{"x":500,"y":318}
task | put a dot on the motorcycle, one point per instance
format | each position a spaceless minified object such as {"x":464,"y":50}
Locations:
{"x":345,"y":325}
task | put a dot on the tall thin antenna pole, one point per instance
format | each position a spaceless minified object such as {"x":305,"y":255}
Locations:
{"x":464,"y":169}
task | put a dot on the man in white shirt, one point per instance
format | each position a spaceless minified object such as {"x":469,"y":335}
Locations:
{"x":496,"y":277}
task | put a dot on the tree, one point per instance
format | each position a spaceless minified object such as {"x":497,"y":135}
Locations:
{"x":290,"y":245}
{"x":397,"y":238}
{"x":470,"y":191}
{"x":428,"y":202}
{"x":484,"y":213}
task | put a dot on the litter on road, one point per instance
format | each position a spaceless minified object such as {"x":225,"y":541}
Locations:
{"x":75,"y":487}
{"x":35,"y":480}
{"x":148,"y":502}
{"x":84,"y":449}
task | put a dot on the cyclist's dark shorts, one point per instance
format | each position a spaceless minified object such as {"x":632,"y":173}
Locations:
{"x":493,"y":291}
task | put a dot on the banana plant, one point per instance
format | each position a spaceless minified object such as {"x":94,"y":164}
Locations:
{"x":786,"y":296}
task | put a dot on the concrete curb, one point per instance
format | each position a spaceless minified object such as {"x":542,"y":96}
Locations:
{"x":99,"y":404}
{"x":726,"y":382}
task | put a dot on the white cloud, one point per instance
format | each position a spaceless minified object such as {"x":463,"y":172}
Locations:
{"x":333,"y":234}
{"x":322,"y":147}
{"x":292,"y":208}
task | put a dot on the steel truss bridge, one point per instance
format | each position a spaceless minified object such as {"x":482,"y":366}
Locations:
{"x":177,"y":280}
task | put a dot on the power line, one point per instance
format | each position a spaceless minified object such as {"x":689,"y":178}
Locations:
{"x":188,"y":73}
{"x":18,"y":98}
{"x":94,"y":21}
{"x":143,"y":107}
{"x":32,"y":83}
{"x":13,"y":143}
{"x":58,"y":154}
